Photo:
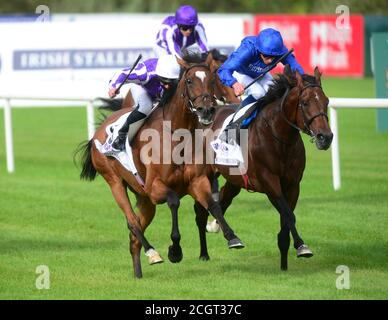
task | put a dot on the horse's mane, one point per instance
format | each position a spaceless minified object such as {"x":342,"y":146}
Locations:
{"x":280,"y":85}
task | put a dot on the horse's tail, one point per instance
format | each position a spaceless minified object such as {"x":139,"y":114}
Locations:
{"x":110,"y":104}
{"x":88,"y":171}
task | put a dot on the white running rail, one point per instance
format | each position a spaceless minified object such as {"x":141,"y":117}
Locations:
{"x":73,"y":101}
{"x":339,"y":103}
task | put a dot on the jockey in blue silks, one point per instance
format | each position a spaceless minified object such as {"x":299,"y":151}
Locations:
{"x":179,"y":32}
{"x":248,"y":61}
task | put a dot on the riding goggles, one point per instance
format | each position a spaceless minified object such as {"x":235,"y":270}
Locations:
{"x":185,"y":28}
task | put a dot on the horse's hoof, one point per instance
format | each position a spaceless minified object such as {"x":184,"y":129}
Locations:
{"x":235,"y":244}
{"x":175,"y":255}
{"x":213,"y":227}
{"x":204,"y":258}
{"x":304,"y":251}
{"x":153,"y":257}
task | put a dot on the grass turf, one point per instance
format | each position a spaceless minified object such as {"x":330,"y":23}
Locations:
{"x":49,"y":217}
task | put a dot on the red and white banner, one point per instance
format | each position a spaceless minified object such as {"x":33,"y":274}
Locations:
{"x":338,"y":50}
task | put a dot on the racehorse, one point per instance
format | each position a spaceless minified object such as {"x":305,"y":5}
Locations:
{"x":276,"y":153}
{"x":190,"y":107}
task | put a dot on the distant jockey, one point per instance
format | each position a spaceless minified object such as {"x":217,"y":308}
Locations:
{"x":151,"y":80}
{"x":180,"y":32}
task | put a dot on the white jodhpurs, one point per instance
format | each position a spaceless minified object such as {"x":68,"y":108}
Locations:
{"x":259,"y":88}
{"x":141,"y":98}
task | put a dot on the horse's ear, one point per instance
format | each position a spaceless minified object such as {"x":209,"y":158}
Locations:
{"x":209,"y":58}
{"x":299,"y":79}
{"x":182,"y":63}
{"x":317,"y":75}
{"x":211,"y":62}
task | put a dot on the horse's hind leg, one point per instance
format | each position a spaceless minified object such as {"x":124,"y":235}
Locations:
{"x":146,"y":215}
{"x":201,"y":215}
{"x":120,"y":194}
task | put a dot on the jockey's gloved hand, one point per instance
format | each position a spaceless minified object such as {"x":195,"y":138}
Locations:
{"x":112,"y":92}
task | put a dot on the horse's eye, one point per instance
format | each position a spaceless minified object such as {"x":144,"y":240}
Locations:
{"x":304,"y":104}
{"x":189,"y":81}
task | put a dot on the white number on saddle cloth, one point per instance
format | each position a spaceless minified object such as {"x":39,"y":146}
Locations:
{"x":124,"y":156}
{"x":227,"y":153}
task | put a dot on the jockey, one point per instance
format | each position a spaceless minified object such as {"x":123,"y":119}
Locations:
{"x":248,"y":61}
{"x":150,"y":80}
{"x":181,"y":31}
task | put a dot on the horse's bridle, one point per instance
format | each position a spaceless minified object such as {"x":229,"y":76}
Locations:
{"x":306,"y":122}
{"x":186,"y":93}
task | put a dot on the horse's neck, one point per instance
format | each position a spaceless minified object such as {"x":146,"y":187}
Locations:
{"x":276,"y":117}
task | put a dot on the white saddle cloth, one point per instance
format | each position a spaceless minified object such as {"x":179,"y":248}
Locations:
{"x":229,"y":154}
{"x":125,"y":156}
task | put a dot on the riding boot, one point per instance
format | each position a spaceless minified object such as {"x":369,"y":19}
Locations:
{"x":235,"y":124}
{"x":119,"y":143}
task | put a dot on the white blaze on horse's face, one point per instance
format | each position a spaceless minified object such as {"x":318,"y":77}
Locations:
{"x":316,"y":96}
{"x":201,"y":75}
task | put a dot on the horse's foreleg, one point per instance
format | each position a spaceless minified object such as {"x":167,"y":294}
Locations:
{"x":227,"y":194}
{"x":161,"y":193}
{"x":175,"y":251}
{"x":283,"y":243}
{"x":200,"y":190}
{"x":288,"y":223}
{"x":201,"y":215}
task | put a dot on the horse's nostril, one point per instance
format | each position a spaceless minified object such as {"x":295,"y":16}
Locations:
{"x":320,"y":136}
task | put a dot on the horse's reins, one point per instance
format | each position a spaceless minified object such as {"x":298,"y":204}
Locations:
{"x":306,"y":122}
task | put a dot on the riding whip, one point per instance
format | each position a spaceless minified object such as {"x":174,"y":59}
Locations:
{"x":269,"y":67}
{"x":126,"y":78}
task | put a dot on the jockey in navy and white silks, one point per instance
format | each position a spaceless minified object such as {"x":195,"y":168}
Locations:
{"x":147,"y":82}
{"x":179,"y":32}
{"x":248,"y":61}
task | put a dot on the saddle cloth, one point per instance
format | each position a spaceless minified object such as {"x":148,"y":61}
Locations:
{"x":125,"y":156}
{"x":229,"y":153}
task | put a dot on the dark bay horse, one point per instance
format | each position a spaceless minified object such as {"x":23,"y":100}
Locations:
{"x":190,"y":107}
{"x":276,"y":153}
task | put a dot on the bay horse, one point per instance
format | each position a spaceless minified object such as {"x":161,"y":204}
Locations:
{"x":189,"y":108}
{"x":276,"y":155}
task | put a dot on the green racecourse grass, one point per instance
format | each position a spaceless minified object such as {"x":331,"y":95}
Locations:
{"x":49,"y":217}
